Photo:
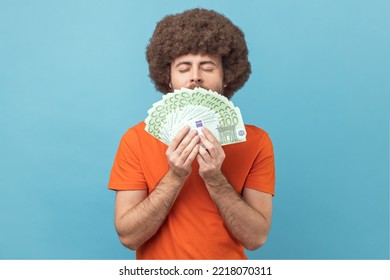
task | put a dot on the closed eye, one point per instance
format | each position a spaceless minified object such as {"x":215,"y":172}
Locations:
{"x":183,"y":67}
{"x":208,"y":69}
{"x":183,"y":70}
{"x":208,"y":66}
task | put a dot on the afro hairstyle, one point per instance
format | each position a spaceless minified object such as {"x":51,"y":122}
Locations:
{"x":198,"y":31}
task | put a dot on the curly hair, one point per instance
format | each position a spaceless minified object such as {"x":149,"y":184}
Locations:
{"x":198,"y":31}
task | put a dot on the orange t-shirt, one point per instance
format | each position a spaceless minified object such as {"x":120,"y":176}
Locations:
{"x":193,"y":228}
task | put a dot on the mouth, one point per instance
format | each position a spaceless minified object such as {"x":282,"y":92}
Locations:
{"x":195,"y":85}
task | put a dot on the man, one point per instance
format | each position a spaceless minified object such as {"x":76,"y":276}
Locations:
{"x":194,"y":199}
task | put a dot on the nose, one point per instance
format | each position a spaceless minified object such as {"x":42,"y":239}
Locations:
{"x":196,"y":77}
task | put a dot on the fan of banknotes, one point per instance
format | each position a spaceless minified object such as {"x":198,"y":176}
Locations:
{"x":197,"y":108}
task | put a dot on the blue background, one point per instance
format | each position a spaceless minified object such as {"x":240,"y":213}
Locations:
{"x":73,"y":78}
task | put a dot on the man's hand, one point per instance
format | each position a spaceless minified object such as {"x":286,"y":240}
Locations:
{"x":182,"y":151}
{"x":133,"y":208}
{"x":247,"y":216}
{"x":210,"y":157}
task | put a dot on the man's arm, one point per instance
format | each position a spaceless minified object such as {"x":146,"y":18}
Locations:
{"x":248,"y":217}
{"x":138,"y":216}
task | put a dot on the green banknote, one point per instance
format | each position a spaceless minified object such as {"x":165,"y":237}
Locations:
{"x":197,"y":108}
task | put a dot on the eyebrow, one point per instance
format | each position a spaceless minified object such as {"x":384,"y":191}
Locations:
{"x":201,"y":63}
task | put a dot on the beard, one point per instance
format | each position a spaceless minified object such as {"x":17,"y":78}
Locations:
{"x":218,"y":89}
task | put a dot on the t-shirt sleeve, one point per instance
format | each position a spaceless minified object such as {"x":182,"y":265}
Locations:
{"x":262,"y":174}
{"x":126,"y":173}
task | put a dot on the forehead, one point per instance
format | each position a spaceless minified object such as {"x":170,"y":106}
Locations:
{"x":197,"y":58}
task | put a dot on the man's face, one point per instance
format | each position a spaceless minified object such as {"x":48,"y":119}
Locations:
{"x":195,"y":70}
